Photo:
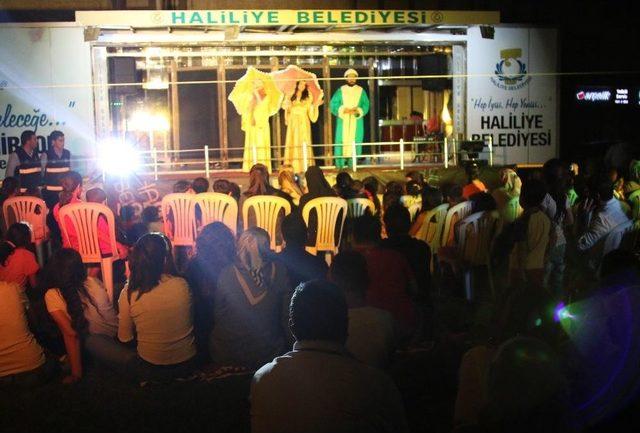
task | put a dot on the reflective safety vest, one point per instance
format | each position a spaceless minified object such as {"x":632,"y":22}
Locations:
{"x":29,"y":171}
{"x":56,"y":167}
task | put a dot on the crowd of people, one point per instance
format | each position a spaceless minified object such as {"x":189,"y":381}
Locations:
{"x":559,"y":351}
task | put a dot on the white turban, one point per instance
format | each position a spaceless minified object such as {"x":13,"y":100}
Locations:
{"x":350,"y":71}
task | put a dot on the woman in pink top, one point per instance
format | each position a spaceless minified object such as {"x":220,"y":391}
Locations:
{"x":71,"y":184}
{"x":17,"y":263}
{"x":97,"y":195}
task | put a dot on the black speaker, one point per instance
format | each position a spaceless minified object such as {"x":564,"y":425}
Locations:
{"x":434,"y":64}
{"x":122,"y":70}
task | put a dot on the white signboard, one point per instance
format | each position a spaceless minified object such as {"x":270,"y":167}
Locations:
{"x":512,"y":93}
{"x":45,"y":85}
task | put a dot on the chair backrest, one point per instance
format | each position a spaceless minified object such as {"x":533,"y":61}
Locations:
{"x":475,"y":235}
{"x":331,"y":212}
{"x":84,"y":219}
{"x":512,"y":210}
{"x":634,"y":200}
{"x":31,"y":210}
{"x":620,"y":237}
{"x":358,"y":207}
{"x":215,"y":206}
{"x":414,"y":209}
{"x":267,"y":209}
{"x":181,"y":227}
{"x":454,"y":214}
{"x":432,"y":226}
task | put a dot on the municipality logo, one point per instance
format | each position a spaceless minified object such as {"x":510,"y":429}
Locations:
{"x":511,"y":72}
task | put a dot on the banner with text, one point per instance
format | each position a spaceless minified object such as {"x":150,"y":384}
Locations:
{"x":45,"y":85}
{"x":512,"y":93}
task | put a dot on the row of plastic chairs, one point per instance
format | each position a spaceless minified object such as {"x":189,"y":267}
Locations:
{"x":181,"y":220}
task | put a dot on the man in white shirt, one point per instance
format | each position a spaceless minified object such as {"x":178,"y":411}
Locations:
{"x":319,"y":387}
{"x":607,"y":215}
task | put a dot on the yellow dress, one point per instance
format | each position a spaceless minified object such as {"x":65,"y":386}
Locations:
{"x":298,"y":118}
{"x":255,"y":124}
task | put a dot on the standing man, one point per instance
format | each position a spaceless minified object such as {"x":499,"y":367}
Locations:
{"x":24,"y":163}
{"x":349,"y":104}
{"x":57,"y":162}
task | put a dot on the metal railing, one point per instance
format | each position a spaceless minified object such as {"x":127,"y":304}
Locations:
{"x":386,"y":154}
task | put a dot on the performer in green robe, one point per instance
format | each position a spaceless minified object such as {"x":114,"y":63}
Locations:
{"x":349,"y":104}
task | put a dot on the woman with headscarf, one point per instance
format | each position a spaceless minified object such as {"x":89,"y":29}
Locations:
{"x":509,"y":190}
{"x":317,"y":186}
{"x":288,"y":184}
{"x":250,"y":305}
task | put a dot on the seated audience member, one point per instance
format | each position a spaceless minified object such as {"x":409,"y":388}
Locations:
{"x":510,"y":185}
{"x":200,"y":185}
{"x":417,"y":177}
{"x":288,"y":185}
{"x":18,"y":264}
{"x":618,"y":183}
{"x":22,"y":361}
{"x":71,"y":183}
{"x":155,"y":316}
{"x":371,"y":330}
{"x":10,"y":188}
{"x":259,"y":185}
{"x":222,"y":186}
{"x":79,"y":306}
{"x":415,"y":251}
{"x":474,"y":184}
{"x":301,"y":265}
{"x":606,"y":212}
{"x":482,"y":202}
{"x":317,"y":186}
{"x":392,"y":285}
{"x":525,"y":389}
{"x":129,"y":224}
{"x":234,"y":190}
{"x":215,"y":249}
{"x":390,"y":198}
{"x":531,"y":236}
{"x":151,"y":219}
{"x":452,"y":193}
{"x":413,"y":194}
{"x":319,"y":387}
{"x":248,"y":305}
{"x":344,"y":186}
{"x":97,"y":195}
{"x":431,"y":198}
{"x":358,"y":188}
{"x":371,"y":187}
{"x":394,"y":187}
{"x":182,"y":187}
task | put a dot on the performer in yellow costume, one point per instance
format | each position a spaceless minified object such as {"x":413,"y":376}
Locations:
{"x":256,"y":98}
{"x":300,"y":110}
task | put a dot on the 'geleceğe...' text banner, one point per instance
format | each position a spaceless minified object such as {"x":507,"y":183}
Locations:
{"x":513,"y":106}
{"x":284,"y":17}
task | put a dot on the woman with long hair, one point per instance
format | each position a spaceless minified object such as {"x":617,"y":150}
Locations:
{"x":317,"y":186}
{"x":71,"y":183}
{"x":300,"y":110}
{"x":344,"y":186}
{"x":17,"y":263}
{"x":78,"y":304}
{"x":156,"y":311}
{"x":215,"y":249}
{"x":249,"y":305}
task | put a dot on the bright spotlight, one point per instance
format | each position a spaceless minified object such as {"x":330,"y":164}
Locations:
{"x":118,"y":157}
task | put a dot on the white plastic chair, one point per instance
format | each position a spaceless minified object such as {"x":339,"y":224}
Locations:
{"x":414,"y":209}
{"x":475,"y":238}
{"x":431,"y":230}
{"x":181,"y":227}
{"x":215,"y":206}
{"x":267,"y":209}
{"x":84,"y":219}
{"x":454,"y":214}
{"x":330,"y":212}
{"x":358,"y":207}
{"x":33,"y":211}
